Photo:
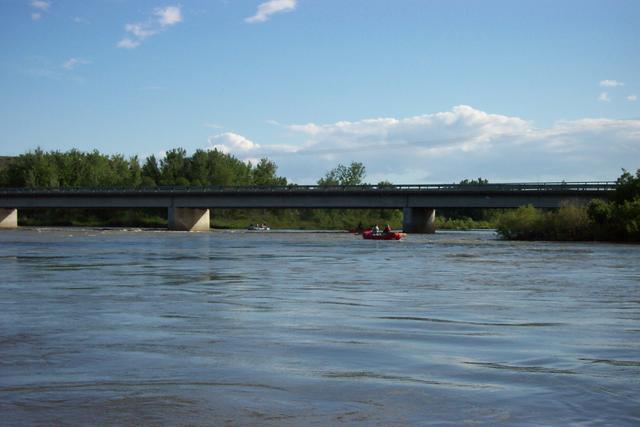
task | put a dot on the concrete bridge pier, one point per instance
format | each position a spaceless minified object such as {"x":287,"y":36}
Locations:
{"x":189,"y":219}
{"x":8,"y":218}
{"x":419,"y":220}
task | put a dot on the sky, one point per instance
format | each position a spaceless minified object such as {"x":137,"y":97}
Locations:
{"x":420,"y":91}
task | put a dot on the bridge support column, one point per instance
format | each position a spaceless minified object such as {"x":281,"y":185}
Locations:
{"x":189,"y":219}
{"x":8,"y":218}
{"x":419,"y":220}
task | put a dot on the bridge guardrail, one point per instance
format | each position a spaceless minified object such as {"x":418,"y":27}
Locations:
{"x":498,"y":187}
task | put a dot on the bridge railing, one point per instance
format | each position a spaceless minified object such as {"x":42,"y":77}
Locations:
{"x":497,"y":187}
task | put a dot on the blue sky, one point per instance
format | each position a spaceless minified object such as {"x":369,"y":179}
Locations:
{"x":418,"y":90}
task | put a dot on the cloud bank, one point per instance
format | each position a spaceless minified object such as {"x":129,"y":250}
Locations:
{"x":452,"y":145}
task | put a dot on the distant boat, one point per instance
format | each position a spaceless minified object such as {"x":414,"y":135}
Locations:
{"x":258,"y":227}
{"x":390,"y":235}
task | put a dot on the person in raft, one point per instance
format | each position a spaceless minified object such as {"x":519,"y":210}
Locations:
{"x":376,"y":229}
{"x":387,"y":229}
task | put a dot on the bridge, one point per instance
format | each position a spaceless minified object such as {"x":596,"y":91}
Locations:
{"x":188,"y":207}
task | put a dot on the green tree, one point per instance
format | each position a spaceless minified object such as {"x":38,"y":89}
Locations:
{"x":627,"y":187}
{"x":199,"y":168}
{"x":344,"y":175}
{"x":385,"y":184}
{"x":118,"y":171}
{"x":135,"y":172}
{"x":479,"y":181}
{"x":264,"y":173}
{"x":151,"y":171}
{"x":173,"y":166}
{"x":34,"y":169}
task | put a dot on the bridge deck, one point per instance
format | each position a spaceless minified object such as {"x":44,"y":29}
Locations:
{"x":544,"y":195}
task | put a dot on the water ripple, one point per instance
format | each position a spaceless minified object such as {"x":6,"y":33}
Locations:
{"x":463,"y":322}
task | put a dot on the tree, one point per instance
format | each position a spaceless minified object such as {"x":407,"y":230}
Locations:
{"x":343,"y":175}
{"x":479,"y":181}
{"x":34,"y":169}
{"x":135,"y":172}
{"x":151,"y":171}
{"x":385,"y":184}
{"x":265,"y":174}
{"x":627,"y":186}
{"x":118,"y":171}
{"x":173,"y":166}
{"x":199,"y":168}
{"x":224,"y":169}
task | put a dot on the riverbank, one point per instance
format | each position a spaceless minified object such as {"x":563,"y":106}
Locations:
{"x":240,"y":219}
{"x":616,"y":220}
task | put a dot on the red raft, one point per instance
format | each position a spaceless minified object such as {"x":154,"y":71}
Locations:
{"x":391,"y":235}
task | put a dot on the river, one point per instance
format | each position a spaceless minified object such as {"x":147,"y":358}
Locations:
{"x":144,"y":327}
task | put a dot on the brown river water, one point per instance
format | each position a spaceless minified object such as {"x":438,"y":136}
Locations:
{"x":133,"y":327}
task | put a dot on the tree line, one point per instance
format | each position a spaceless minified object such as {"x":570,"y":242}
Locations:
{"x":74,"y":168}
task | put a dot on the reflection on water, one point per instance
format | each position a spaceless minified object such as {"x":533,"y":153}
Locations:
{"x":102,"y":326}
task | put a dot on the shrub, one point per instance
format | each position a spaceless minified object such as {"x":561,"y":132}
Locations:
{"x":523,"y":223}
{"x":570,"y":222}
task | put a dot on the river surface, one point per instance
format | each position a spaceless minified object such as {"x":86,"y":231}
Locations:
{"x":131,"y":327}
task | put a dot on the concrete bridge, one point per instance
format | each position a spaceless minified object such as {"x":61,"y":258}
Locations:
{"x":188,"y":207}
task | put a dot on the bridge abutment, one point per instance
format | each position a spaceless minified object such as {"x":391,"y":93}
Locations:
{"x":419,"y":220}
{"x":189,"y":219}
{"x":8,"y":218}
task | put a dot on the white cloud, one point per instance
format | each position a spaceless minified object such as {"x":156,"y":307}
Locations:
{"x":632,"y":98}
{"x":604,"y":97}
{"x":139,"y":31}
{"x":230,"y":142}
{"x":268,"y":8}
{"x":80,"y":20}
{"x":213,"y":126}
{"x":461,"y":143}
{"x":610,"y":83}
{"x":127,"y":43}
{"x":449,"y":146}
{"x":42,"y":67}
{"x":168,"y":16}
{"x":71,"y":63}
{"x":414,"y":131}
{"x":39,"y":7}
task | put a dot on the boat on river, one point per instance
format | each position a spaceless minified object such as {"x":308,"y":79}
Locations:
{"x":388,"y":235}
{"x":258,"y":227}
